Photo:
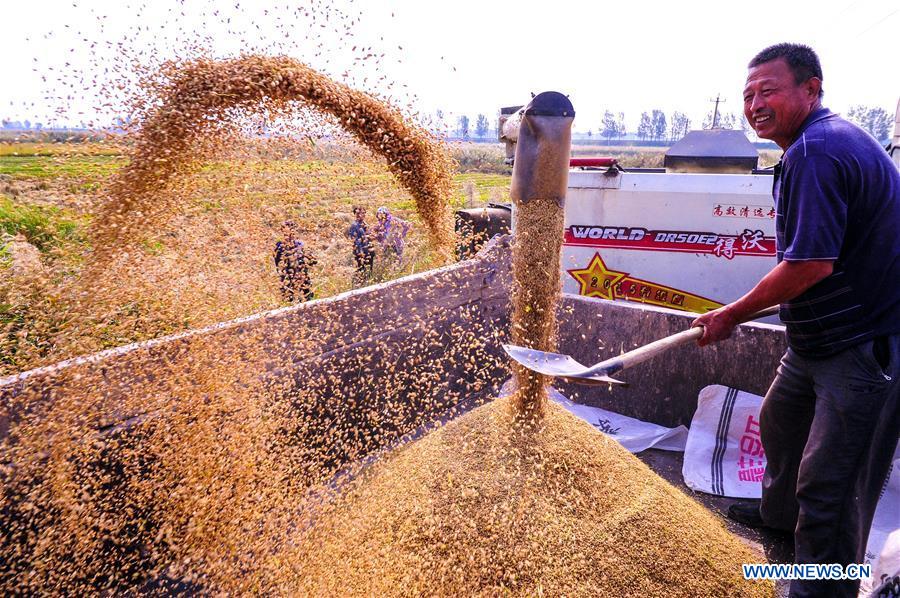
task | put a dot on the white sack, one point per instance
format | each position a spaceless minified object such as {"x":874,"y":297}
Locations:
{"x":885,"y":580}
{"x":724,"y":454}
{"x":883,"y":548}
{"x":633,"y":434}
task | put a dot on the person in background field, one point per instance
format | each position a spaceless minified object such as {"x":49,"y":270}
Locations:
{"x":293,"y":263}
{"x":363,"y":252}
{"x":390,"y":232}
{"x":831,"y":418}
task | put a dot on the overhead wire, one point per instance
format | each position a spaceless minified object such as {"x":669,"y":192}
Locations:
{"x":879,"y":22}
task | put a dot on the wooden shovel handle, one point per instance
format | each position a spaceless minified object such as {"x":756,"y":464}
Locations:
{"x":650,"y":350}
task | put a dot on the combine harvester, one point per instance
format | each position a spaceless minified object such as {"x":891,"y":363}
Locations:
{"x":643,"y":251}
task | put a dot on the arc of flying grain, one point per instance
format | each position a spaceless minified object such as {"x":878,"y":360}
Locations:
{"x":195,"y":97}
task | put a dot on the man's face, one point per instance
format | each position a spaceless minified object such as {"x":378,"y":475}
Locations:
{"x":775,"y":104}
{"x":360,"y":215}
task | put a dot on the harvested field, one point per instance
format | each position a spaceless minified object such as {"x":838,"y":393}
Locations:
{"x":215,"y":253}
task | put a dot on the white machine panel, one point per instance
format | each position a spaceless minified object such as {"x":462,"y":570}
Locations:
{"x":690,"y":242}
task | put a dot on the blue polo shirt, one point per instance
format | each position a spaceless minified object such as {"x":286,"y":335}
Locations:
{"x":837,"y":197}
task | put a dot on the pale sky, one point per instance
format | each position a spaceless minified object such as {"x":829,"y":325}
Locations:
{"x":463,"y":57}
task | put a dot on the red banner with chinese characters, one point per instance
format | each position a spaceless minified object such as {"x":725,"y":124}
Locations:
{"x":752,"y":462}
{"x":749,"y":242}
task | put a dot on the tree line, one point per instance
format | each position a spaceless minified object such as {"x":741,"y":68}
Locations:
{"x":464,"y":129}
{"x":877,"y":121}
{"x":656,"y":126}
{"x":653,"y":125}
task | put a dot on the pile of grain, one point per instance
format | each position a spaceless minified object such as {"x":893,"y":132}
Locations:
{"x":477,"y":508}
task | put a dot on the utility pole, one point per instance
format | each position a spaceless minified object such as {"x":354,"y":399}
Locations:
{"x":715,"y":120}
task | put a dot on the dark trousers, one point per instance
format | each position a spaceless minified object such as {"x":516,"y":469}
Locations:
{"x":294,"y":290}
{"x":365,"y":260}
{"x":829,"y":429}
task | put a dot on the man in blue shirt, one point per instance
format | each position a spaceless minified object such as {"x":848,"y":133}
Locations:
{"x":831,"y":419}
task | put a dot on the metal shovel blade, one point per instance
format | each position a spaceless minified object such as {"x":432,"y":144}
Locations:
{"x":557,"y":366}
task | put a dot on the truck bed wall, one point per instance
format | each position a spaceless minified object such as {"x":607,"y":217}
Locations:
{"x":366,"y":359}
{"x":663,"y":390}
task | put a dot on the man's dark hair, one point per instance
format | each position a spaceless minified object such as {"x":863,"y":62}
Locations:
{"x":802,"y":60}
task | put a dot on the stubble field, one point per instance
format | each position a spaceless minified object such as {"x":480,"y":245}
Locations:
{"x":212,"y":260}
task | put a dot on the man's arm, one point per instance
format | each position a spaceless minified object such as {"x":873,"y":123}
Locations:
{"x":786,"y":281}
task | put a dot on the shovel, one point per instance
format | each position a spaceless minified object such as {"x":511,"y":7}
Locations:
{"x":564,"y":366}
